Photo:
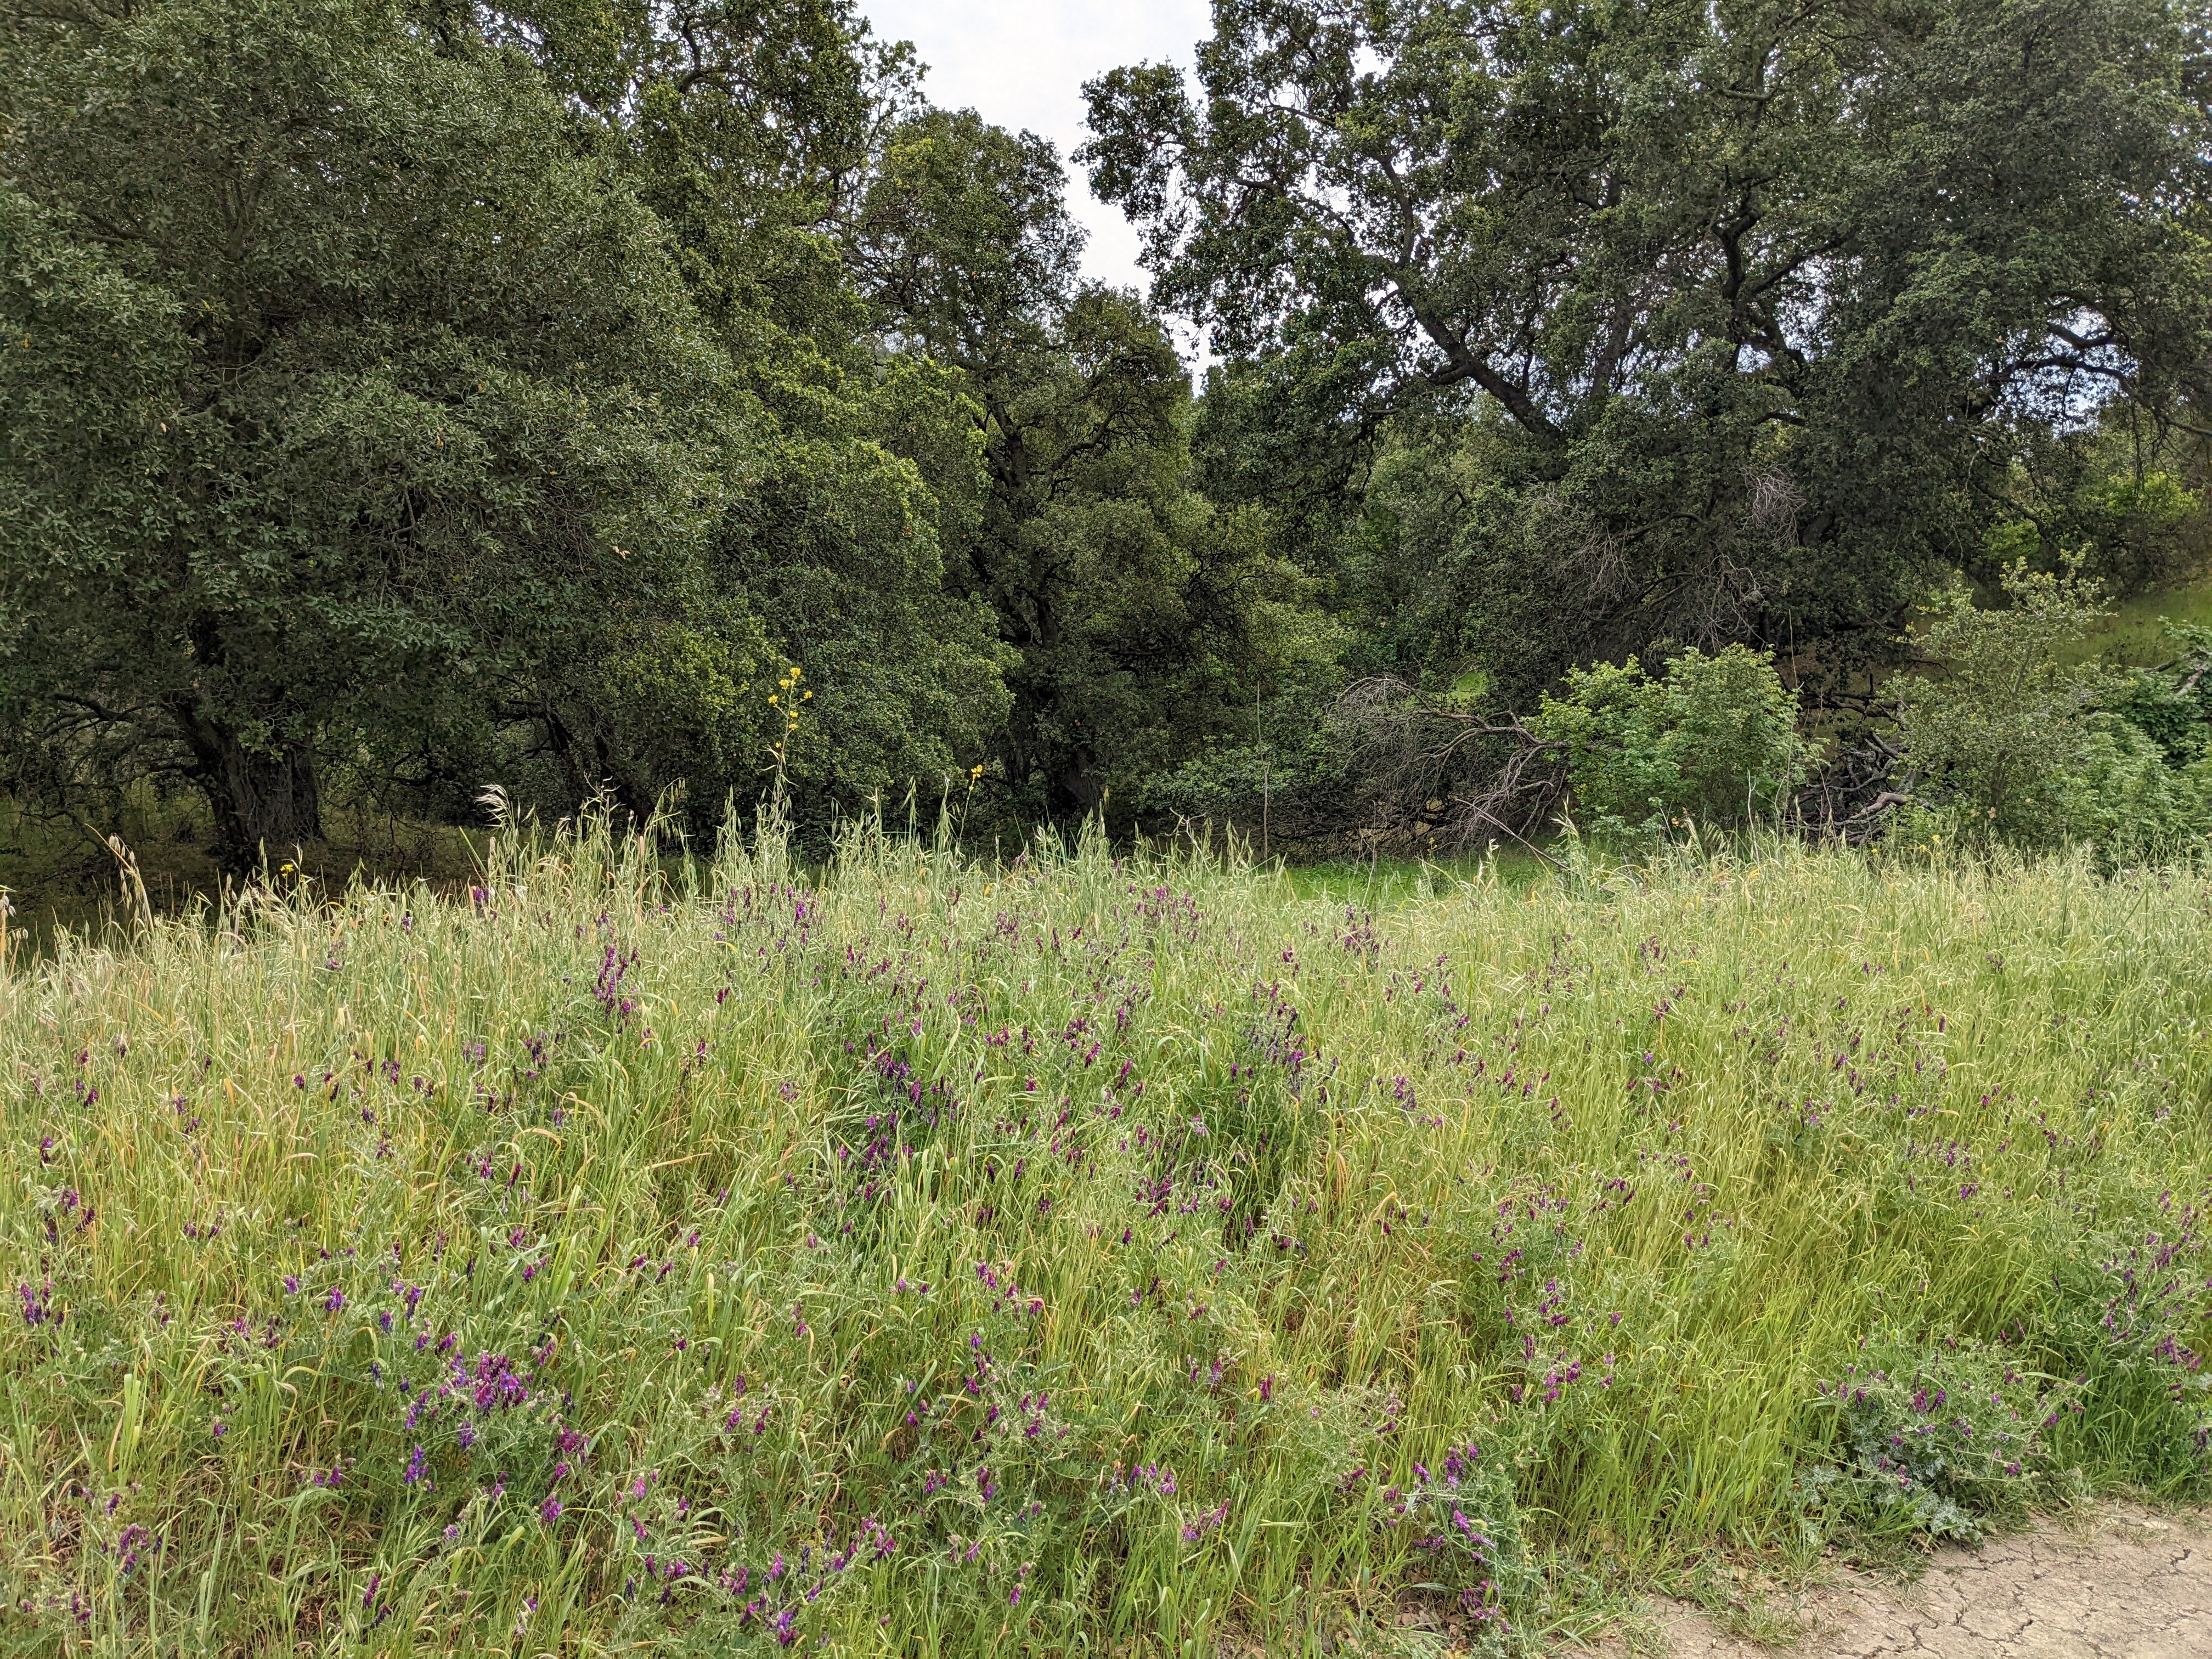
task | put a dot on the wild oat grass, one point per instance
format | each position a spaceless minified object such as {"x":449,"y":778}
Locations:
{"x":1096,"y":1254}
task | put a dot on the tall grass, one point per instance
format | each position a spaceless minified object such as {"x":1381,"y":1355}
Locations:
{"x":1099,"y":1253}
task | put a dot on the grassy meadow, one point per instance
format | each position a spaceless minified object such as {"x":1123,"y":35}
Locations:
{"x":1099,"y":1253}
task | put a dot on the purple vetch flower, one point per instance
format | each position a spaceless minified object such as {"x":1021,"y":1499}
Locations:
{"x":549,"y":1510}
{"x":1205,"y":1523}
{"x":497,"y":1384}
{"x":416,"y":1466}
{"x":335,"y":1301}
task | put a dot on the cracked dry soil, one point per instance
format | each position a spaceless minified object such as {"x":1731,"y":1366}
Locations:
{"x":2130,"y":1585}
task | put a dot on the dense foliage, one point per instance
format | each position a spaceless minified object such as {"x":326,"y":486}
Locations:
{"x":1089,"y":1254}
{"x":1137,"y":616}
{"x":2011,"y":743}
{"x":1712,"y":741}
{"x":1575,"y":327}
{"x":400,"y":397}
{"x":367,"y":414}
{"x":1683,"y":417}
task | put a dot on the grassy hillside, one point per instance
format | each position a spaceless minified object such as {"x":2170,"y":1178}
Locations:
{"x":1099,"y":1253}
{"x":2136,"y":636}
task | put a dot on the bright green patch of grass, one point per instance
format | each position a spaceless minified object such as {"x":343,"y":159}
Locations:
{"x":2136,"y":636}
{"x":1101,"y":1253}
{"x":1385,"y":883}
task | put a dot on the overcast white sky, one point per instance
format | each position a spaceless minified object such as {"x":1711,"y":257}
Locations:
{"x":1023,"y":63}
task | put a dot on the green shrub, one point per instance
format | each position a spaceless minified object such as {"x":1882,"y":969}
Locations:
{"x":1999,"y":737}
{"x":1465,"y":1527}
{"x":2172,"y":704}
{"x":2012,"y":743}
{"x":2124,"y":797}
{"x":1937,"y":1439}
{"x":2124,"y":1316}
{"x":1713,"y":740}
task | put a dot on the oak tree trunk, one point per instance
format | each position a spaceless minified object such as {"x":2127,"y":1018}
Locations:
{"x":266,"y":799}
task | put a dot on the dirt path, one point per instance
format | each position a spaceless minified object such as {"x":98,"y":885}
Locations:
{"x":2129,"y":1585}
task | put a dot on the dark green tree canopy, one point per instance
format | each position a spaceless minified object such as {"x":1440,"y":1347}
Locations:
{"x":1725,"y":312}
{"x":1137,"y":616}
{"x":401,"y":395}
{"x":362,"y":414}
{"x":745,"y":126}
{"x":377,"y":384}
{"x":963,"y":240}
